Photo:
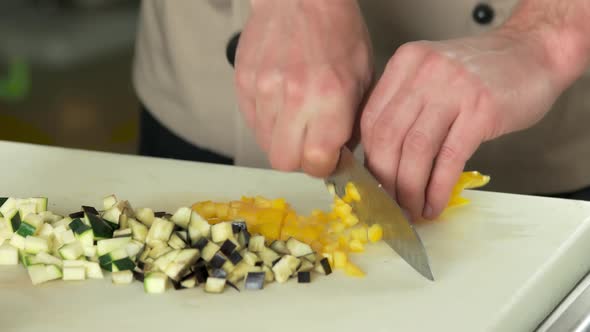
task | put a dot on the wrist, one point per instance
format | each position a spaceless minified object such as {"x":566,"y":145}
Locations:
{"x":559,"y":30}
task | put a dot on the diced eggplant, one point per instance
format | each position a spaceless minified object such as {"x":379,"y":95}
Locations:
{"x":249,"y":257}
{"x":190,"y":282}
{"x":163,"y":261}
{"x":303,"y":277}
{"x":109,"y":201}
{"x":181,"y":263}
{"x":268,"y":256}
{"x":90,"y":210}
{"x":280,"y":247}
{"x":217,"y":260}
{"x":298,"y":248}
{"x":74,"y":215}
{"x":238,"y":226}
{"x":209,"y":251}
{"x":182,"y":217}
{"x":198,"y":227}
{"x":201,"y":243}
{"x":256,"y":243}
{"x":228,"y":247}
{"x":138,"y":276}
{"x":218,"y":273}
{"x":161,"y":230}
{"x":221,"y":232}
{"x":145,"y":216}
{"x":261,"y":264}
{"x":323,"y":266}
{"x":201,"y":272}
{"x":122,"y":233}
{"x":235,"y":257}
{"x":231,"y":284}
{"x":311,"y":257}
{"x":240,"y":271}
{"x":183,"y":235}
{"x":244,"y":238}
{"x":254,"y":280}
{"x":285,"y":267}
{"x":135,"y":248}
{"x":160,"y":214}
{"x":176,"y":242}
{"x":215,"y":285}
{"x":268,"y":274}
{"x":305,"y":266}
{"x":159,"y":250}
{"x":176,"y":284}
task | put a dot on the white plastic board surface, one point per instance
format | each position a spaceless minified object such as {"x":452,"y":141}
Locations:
{"x":501,"y":263}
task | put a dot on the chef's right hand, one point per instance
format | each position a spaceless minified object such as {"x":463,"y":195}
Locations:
{"x":302,"y":70}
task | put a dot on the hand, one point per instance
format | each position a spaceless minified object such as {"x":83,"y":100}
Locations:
{"x":302,"y":69}
{"x":438,"y":101}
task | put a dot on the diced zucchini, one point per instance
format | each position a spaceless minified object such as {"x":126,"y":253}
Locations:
{"x":35,"y":245}
{"x":123,"y":264}
{"x":134,"y":248}
{"x":46,"y":259}
{"x":86,"y":238}
{"x":107,"y":260}
{"x":8,"y":254}
{"x":198,"y":227}
{"x":71,"y":250}
{"x":109,"y":201}
{"x":14,"y":217}
{"x":45,"y":231}
{"x":25,"y":208}
{"x":78,"y":226}
{"x":182,"y":217}
{"x":190,"y":282}
{"x":215,"y":285}
{"x":181,"y":263}
{"x":112,"y":216}
{"x":7,"y":205}
{"x":145,"y":216}
{"x":90,"y":252}
{"x":93,"y":270}
{"x":40,"y":273}
{"x":122,"y":277}
{"x":155,"y":283}
{"x":65,"y":223}
{"x":298,"y":248}
{"x":74,"y":263}
{"x":161,"y":230}
{"x":40,"y":203}
{"x":74,"y":273}
{"x":138,"y":230}
{"x":65,"y":237}
{"x":17,"y":241}
{"x":159,"y":250}
{"x":256,"y":243}
{"x":108,"y":245}
{"x":101,"y":228}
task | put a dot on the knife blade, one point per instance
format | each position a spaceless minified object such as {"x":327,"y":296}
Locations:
{"x":377,"y":206}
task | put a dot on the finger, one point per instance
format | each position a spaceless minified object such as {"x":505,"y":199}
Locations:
{"x":419,"y":150}
{"x":244,"y":82}
{"x":399,"y":71}
{"x":461,"y":143}
{"x":327,"y":132}
{"x":384,"y":151}
{"x":269,"y":99}
{"x":288,"y":134}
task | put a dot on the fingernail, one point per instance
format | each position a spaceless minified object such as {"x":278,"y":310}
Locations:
{"x":427,"y":213}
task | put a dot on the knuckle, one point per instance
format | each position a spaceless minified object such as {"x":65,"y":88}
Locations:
{"x":294,"y":88}
{"x":417,"y":142}
{"x":449,"y":154}
{"x":268,"y":82}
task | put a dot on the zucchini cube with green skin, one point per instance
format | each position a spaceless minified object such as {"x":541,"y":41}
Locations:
{"x":108,"y":245}
{"x":161,"y":230}
{"x":29,"y":225}
{"x":93,"y":270}
{"x":106,"y":261}
{"x":14,"y":217}
{"x":123,"y":264}
{"x":102,"y":230}
{"x":47,"y":259}
{"x":72,"y":250}
{"x":40,"y":273}
{"x":155,"y":283}
{"x":18,"y":241}
{"x":7,"y":205}
{"x":25,"y":208}
{"x":74,"y":273}
{"x":8,"y":254}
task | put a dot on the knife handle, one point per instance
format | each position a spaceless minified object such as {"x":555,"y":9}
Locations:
{"x":232,"y":46}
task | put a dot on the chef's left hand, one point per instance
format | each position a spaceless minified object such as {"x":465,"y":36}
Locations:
{"x":438,"y":101}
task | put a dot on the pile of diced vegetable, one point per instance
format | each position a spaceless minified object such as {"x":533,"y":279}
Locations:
{"x":253,"y":241}
{"x":248,"y":242}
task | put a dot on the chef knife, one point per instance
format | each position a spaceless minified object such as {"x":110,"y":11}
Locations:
{"x":377,"y":206}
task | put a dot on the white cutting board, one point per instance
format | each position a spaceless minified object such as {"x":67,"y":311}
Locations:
{"x":501,"y":263}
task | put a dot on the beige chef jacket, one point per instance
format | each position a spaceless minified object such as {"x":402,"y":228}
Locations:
{"x":181,"y":74}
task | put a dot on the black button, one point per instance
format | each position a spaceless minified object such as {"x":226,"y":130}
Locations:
{"x":232,"y":46}
{"x":483,"y":14}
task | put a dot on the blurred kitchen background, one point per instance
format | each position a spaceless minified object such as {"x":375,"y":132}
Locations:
{"x":65,"y":73}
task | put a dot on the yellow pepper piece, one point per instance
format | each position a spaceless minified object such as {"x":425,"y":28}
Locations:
{"x":353,"y":270}
{"x":351,"y":220}
{"x":352,"y":192}
{"x":359,"y":234}
{"x":340,"y":259}
{"x":279,"y":204}
{"x":222,"y":210}
{"x":375,"y":233}
{"x":356,"y":246}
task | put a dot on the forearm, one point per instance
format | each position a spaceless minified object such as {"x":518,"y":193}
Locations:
{"x":563,"y":29}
